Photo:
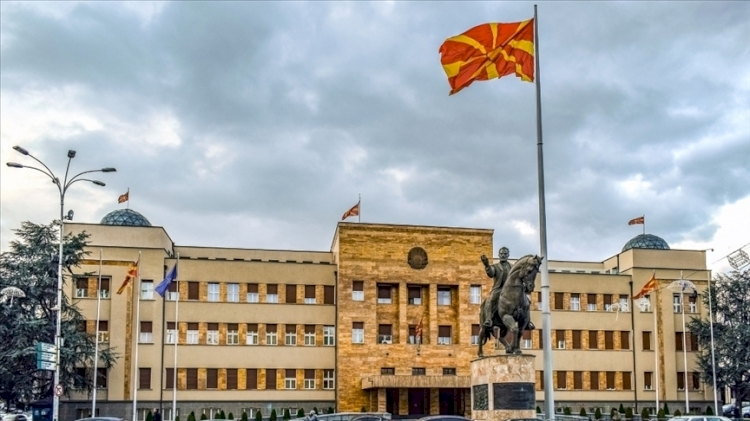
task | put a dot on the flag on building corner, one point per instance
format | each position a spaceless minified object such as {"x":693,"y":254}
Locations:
{"x":353,"y":211}
{"x":489,"y":51}
{"x":163,"y":286}
{"x":637,"y":221}
{"x":124,"y":197}
{"x":418,"y":332}
{"x":132,"y":273}
{"x":650,"y":286}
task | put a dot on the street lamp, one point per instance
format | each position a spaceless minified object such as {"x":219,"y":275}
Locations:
{"x":680,"y":286}
{"x":62,"y":188}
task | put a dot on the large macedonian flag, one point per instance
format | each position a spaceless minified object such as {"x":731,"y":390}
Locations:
{"x":489,"y":51}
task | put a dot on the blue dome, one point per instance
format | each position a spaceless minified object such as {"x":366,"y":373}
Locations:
{"x":646,"y":241}
{"x":127,"y":217}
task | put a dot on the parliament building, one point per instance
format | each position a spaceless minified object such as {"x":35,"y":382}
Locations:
{"x":387,"y":320}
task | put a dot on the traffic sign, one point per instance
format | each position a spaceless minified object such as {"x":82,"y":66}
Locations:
{"x":45,"y":347}
{"x":45,"y":365}
{"x":46,"y":356}
{"x":58,"y":390}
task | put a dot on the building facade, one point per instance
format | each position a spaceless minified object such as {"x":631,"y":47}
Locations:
{"x":386,"y":320}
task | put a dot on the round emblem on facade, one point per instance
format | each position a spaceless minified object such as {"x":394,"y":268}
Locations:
{"x":417,"y":258}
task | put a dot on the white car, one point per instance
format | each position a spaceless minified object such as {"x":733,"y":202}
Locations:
{"x":700,"y":418}
{"x":16,"y":417}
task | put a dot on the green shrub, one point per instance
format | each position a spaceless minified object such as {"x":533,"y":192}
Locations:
{"x":629,"y":413}
{"x":273,"y":416}
{"x":258,"y":416}
{"x":598,"y":413}
{"x":566,"y":411}
{"x":677,"y":413}
{"x":301,"y":413}
{"x":666,"y":409}
{"x":621,"y":409}
{"x":149,"y":416}
{"x":204,"y":417}
{"x":222,"y":416}
{"x":583,"y":412}
{"x":287,"y":416}
{"x":230,"y":416}
{"x":191,"y":417}
{"x":660,"y":415}
{"x":709,"y":410}
{"x":177,"y":418}
{"x":538,"y":409}
{"x":330,"y":410}
{"x":244,"y":416}
{"x":316,"y":410}
{"x":645,"y":415}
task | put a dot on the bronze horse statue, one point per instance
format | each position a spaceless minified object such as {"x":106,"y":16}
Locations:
{"x":512,"y":305}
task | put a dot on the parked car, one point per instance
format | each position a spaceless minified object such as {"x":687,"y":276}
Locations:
{"x":746,"y":412}
{"x":16,"y":417}
{"x":101,"y":419}
{"x":700,"y":418}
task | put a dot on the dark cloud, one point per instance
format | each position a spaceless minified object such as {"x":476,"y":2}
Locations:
{"x":257,"y":124}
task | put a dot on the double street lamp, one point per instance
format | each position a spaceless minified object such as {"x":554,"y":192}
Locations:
{"x":62,"y":187}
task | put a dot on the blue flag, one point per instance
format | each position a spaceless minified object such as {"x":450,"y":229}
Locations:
{"x":163,"y":286}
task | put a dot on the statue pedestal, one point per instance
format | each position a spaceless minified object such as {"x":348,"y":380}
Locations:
{"x":502,"y":387}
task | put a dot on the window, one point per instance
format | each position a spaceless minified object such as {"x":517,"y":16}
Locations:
{"x":692,"y":304}
{"x":291,"y":294}
{"x":82,"y":287}
{"x":444,"y":296}
{"x":646,"y":336}
{"x":692,"y":342}
{"x":309,"y":379}
{"x":147,"y":290}
{"x":607,"y":302}
{"x":384,"y":294}
{"x":272,"y":293}
{"x":677,"y":303}
{"x":231,"y":378}
{"x":539,"y":300}
{"x":251,"y":378}
{"x":444,"y":335}
{"x":358,"y":290}
{"x":576,"y":339}
{"x":169,"y":378}
{"x":192,"y":378}
{"x":609,"y":339}
{"x":310,"y":294}
{"x":271,"y":338}
{"x":270,"y":379}
{"x":680,"y":380}
{"x":233,"y":293}
{"x":559,"y":296}
{"x":475,"y":294}
{"x":594,"y":376}
{"x":578,"y":380}
{"x":193,"y":291}
{"x":104,"y":287}
{"x":475,"y":334}
{"x":647,"y":307}
{"x":593,"y":339}
{"x":387,"y":371}
{"x":540,"y":336}
{"x":329,"y":336}
{"x":146,"y":336}
{"x":526,"y":341}
{"x":171,"y":333}
{"x":358,"y":332}
{"x":192,"y":333}
{"x":328,"y":295}
{"x":624,"y":339}
{"x":418,"y":371}
{"x":626,"y":384}
{"x":329,"y":382}
{"x":575,"y":302}
{"x":290,"y":378}
{"x":624,"y":303}
{"x":541,"y":380}
{"x":695,"y":381}
{"x":212,"y":334}
{"x":290,"y":335}
{"x":212,"y":378}
{"x":562,"y":379}
{"x":591,"y":302}
{"x":678,"y":341}
{"x":610,"y":380}
{"x":415,"y":295}
{"x":252,"y":334}
{"x":233,"y":334}
{"x":309,"y":335}
{"x":103,"y":335}
{"x":213,"y":291}
{"x":144,"y":378}
{"x":648,"y":380}
{"x":252,"y":293}
{"x":173,"y":293}
{"x":560,"y":339}
{"x":385,"y":334}
{"x":449,"y":371}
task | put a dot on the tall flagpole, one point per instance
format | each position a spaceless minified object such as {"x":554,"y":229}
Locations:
{"x":684,"y":347}
{"x":176,"y":341}
{"x":713,"y":356}
{"x":137,"y":340}
{"x":549,"y":399}
{"x":656,"y":348}
{"x":96,"y":343}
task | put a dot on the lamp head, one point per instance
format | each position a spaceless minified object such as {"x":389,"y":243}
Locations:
{"x":71,"y":154}
{"x":109,"y":169}
{"x":21,"y":150}
{"x":69,"y":217}
{"x":98,"y":183}
{"x":14,"y":165}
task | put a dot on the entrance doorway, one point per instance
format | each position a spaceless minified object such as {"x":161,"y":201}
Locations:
{"x":451,"y":402}
{"x":419,"y":401}
{"x":391,"y":401}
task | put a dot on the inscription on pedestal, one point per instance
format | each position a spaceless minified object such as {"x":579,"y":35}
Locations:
{"x":480,"y":395}
{"x":512,"y":396}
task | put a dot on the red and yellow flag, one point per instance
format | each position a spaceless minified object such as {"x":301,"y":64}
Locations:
{"x":489,"y":51}
{"x":132,"y":273}
{"x":124,"y":197}
{"x":650,"y":286}
{"x":637,"y":221}
{"x":353,"y":211}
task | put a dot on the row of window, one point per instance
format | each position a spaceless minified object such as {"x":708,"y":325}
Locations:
{"x":691,"y":341}
{"x":245,"y":379}
{"x":610,"y":302}
{"x":416,"y":371}
{"x":594,"y":380}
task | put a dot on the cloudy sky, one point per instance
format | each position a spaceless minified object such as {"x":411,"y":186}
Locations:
{"x":258,"y":124}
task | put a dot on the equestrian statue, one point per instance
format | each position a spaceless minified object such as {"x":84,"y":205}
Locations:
{"x":507,"y":308}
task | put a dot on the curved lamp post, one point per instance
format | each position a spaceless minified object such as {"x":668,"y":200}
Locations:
{"x":62,"y":187}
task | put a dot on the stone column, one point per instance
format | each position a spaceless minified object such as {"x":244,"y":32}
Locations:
{"x":502,"y":387}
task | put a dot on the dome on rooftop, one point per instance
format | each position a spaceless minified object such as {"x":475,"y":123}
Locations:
{"x":126,"y":217}
{"x":646,"y":241}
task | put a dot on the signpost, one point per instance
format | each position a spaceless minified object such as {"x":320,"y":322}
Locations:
{"x":46,"y":356}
